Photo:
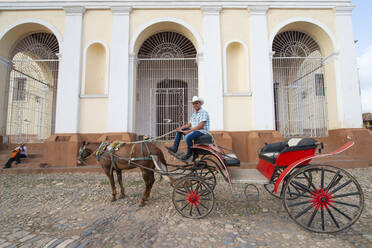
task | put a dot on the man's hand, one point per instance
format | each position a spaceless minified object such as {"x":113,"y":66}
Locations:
{"x":179,"y":129}
{"x":186,"y":132}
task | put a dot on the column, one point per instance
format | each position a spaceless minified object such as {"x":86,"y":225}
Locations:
{"x":262,"y":81}
{"x":210,"y":87}
{"x":118,"y":104}
{"x":67,"y":109}
{"x":347,"y":79}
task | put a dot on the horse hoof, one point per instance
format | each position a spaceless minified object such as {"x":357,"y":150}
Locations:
{"x":121,"y":197}
{"x":141,"y":204}
{"x":113,"y":199}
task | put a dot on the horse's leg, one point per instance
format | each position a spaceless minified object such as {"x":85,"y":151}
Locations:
{"x":148,"y":177}
{"x":120,"y":179}
{"x":112,"y":183}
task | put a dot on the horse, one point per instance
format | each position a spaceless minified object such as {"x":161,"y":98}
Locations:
{"x":120,"y":158}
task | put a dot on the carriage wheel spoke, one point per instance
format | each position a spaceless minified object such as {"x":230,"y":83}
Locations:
{"x":302,"y":186}
{"x":181,"y":192}
{"x":191,"y":210}
{"x":347,"y":194}
{"x":298,"y":194}
{"x":347,"y":204}
{"x":312,"y":217}
{"x":197,"y":208}
{"x":341,"y":186}
{"x":298,"y":203}
{"x":303,"y":212}
{"x":322,"y":216}
{"x":322,"y":179}
{"x":184,"y":206}
{"x":310,"y":182}
{"x":201,"y":204}
{"x":333,"y":218}
{"x":338,"y":210}
{"x":331,"y":184}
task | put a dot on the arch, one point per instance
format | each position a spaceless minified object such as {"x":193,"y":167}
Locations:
{"x":308,"y":20}
{"x":246,"y":67}
{"x":49,"y":26}
{"x":166,"y":78}
{"x":140,"y":31}
{"x":107,"y":57}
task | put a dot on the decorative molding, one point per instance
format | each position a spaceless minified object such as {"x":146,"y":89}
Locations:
{"x":237,"y":94}
{"x":258,"y":9}
{"x":52,"y":28}
{"x":211,"y":10}
{"x":94,"y":96}
{"x":74,"y":10}
{"x":304,"y":19}
{"x":165,"y":4}
{"x":5,"y":62}
{"x":121,"y":10}
{"x":194,"y":32}
{"x":343,"y":10}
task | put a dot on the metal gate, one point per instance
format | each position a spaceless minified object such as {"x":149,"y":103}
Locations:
{"x":299,"y":91}
{"x":31,"y":89}
{"x":169,"y":107}
{"x":164,"y":90}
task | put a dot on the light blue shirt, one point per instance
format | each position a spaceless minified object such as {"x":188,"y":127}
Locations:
{"x":198,"y":117}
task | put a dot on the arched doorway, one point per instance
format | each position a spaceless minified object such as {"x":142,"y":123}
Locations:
{"x":167,"y":76}
{"x":32,"y":85}
{"x":299,"y":88}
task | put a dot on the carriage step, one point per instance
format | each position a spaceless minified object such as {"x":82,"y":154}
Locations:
{"x":252,"y":176}
{"x":179,"y":154}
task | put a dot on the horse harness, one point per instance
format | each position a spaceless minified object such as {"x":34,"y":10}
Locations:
{"x":111,"y":148}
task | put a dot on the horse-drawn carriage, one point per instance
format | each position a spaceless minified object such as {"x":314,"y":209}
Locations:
{"x":320,"y":198}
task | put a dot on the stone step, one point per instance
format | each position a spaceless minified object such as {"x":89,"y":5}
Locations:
{"x":52,"y":169}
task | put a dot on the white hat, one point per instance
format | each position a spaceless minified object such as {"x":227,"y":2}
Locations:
{"x":197,"y":99}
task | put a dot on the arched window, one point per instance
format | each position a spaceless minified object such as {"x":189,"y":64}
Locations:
{"x":32,"y":88}
{"x":167,"y":77}
{"x":299,"y":87}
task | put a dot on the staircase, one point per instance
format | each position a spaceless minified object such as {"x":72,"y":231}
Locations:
{"x":34,"y":163}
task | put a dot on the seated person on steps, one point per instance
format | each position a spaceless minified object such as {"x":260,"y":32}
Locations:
{"x":18,"y":152}
{"x":198,"y":126}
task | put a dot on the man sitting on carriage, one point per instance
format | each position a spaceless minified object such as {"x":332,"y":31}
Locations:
{"x":198,"y":126}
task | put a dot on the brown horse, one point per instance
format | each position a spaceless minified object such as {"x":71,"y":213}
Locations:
{"x":120,"y":158}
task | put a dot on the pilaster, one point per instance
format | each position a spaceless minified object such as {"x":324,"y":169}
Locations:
{"x":67,"y":109}
{"x":119,"y":90}
{"x":347,"y":79}
{"x":211,"y":86}
{"x":261,"y":66}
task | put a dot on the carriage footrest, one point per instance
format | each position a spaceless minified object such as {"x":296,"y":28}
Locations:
{"x":252,"y":176}
{"x":231,"y":160}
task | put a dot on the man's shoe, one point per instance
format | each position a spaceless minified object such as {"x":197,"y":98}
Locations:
{"x":171,"y":149}
{"x":186,"y":157}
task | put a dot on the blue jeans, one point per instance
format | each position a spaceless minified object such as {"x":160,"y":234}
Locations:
{"x":188,"y":138}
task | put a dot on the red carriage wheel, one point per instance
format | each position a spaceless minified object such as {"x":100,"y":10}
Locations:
{"x":193,"y":197}
{"x":330,"y":201}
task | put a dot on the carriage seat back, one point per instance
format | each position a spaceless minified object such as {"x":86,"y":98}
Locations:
{"x":205,"y":139}
{"x":271,"y":152}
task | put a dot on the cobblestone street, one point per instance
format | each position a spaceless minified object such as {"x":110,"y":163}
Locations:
{"x":74,"y":210}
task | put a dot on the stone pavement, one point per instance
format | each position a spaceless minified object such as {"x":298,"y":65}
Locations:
{"x":74,"y":210}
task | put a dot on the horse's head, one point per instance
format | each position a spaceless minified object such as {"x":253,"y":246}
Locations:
{"x":84,"y":152}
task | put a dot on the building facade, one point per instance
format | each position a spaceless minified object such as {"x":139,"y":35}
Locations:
{"x":131,"y":67}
